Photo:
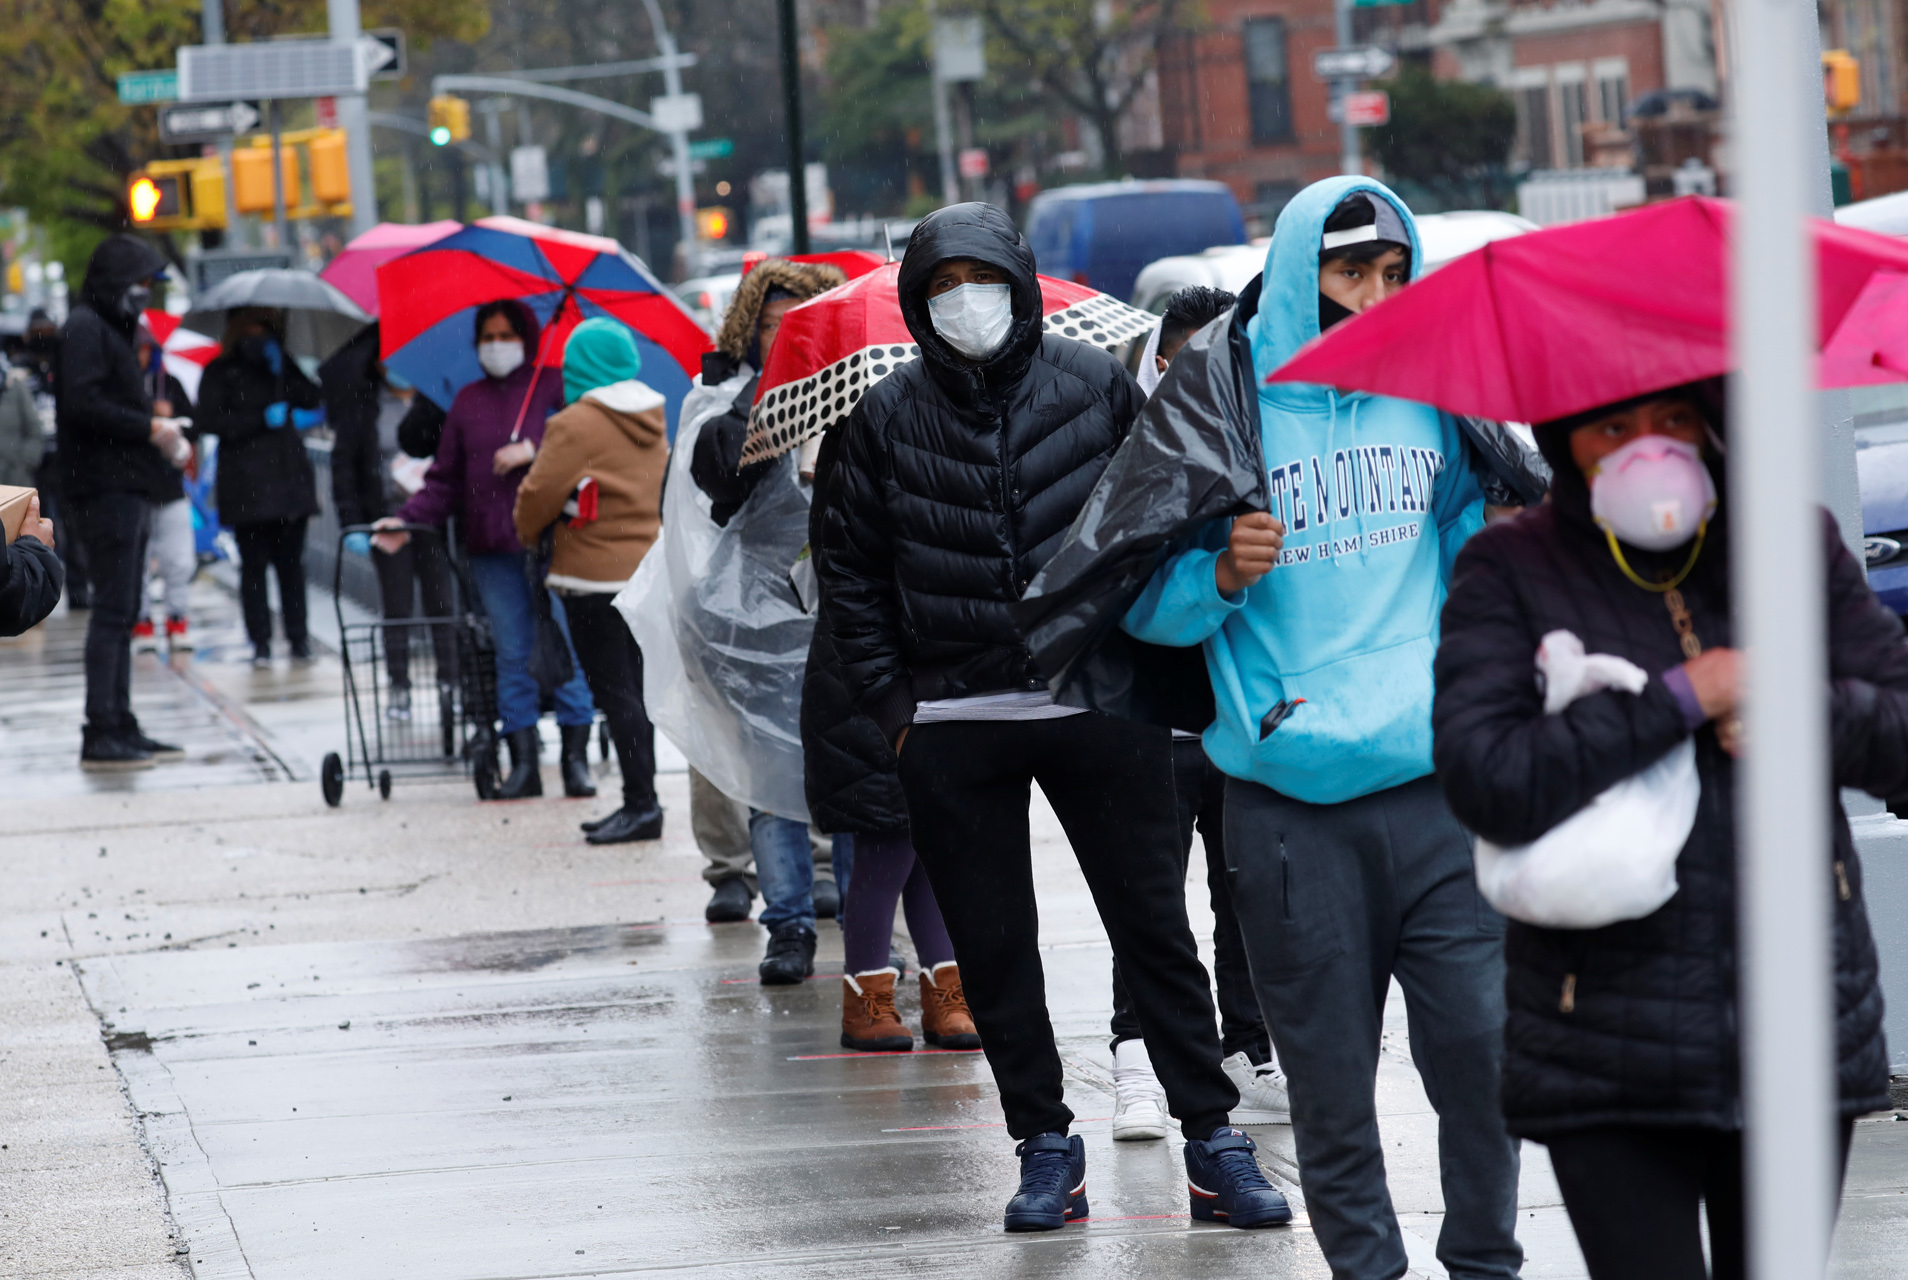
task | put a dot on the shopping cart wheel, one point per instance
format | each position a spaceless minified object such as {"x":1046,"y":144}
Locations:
{"x":331,"y":779}
{"x":384,"y":784}
{"x":603,"y":739}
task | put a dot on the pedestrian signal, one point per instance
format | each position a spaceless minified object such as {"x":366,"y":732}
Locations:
{"x":150,"y":198}
{"x":449,"y":119}
{"x":1841,"y":81}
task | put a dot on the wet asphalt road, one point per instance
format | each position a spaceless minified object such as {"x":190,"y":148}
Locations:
{"x":245,"y":1035}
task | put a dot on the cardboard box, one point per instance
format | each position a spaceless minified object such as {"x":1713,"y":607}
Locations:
{"x":13,"y":508}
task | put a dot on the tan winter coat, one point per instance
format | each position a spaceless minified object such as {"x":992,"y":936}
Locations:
{"x":615,"y":435}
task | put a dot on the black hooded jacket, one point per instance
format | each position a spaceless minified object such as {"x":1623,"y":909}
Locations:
{"x":104,"y":410}
{"x":958,"y":481}
{"x":264,"y":472}
{"x":350,"y":381}
{"x":1636,"y":1023}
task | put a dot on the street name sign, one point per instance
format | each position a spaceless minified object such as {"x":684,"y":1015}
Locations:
{"x":193,"y":122}
{"x":712,"y":148}
{"x":139,"y":87}
{"x":1356,"y":62}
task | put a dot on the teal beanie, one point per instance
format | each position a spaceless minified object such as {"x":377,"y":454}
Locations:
{"x":600,"y":351}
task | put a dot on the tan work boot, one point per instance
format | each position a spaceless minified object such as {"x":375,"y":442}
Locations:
{"x":868,"y":1020}
{"x":945,"y":1021}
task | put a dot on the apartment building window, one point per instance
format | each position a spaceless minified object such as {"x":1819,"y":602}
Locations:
{"x":1268,"y":86}
{"x":1572,"y":111}
{"x":1533,"y":125}
{"x":1613,"y":89}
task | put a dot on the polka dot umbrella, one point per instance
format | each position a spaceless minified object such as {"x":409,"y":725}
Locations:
{"x":832,"y":348}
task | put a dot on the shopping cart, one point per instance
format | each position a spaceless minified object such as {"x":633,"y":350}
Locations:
{"x":420,"y":693}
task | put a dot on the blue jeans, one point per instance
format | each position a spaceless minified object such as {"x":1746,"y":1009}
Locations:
{"x":785,"y":868}
{"x":502,"y":587}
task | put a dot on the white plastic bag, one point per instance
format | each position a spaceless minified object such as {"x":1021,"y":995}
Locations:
{"x":1615,"y":859}
{"x":724,"y":638}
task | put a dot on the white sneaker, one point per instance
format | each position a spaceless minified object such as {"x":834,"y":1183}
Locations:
{"x":1262,"y":1095}
{"x":1139,"y":1106}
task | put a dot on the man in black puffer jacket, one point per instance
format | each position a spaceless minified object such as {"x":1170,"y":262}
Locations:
{"x":112,"y":471}
{"x":1620,"y":1048}
{"x":960,"y":475}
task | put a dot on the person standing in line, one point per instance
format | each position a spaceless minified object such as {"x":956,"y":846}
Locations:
{"x":1139,"y":1106}
{"x":23,"y":439}
{"x":1621,"y":1048}
{"x":38,"y":359}
{"x":366,"y":406}
{"x":258,"y":402}
{"x":714,"y":423}
{"x":174,"y":550}
{"x":114,"y":454}
{"x":597,"y":480}
{"x":30,"y":574}
{"x":853,"y":786}
{"x":961,"y":473}
{"x":484,"y":449}
{"x":1318,"y":619}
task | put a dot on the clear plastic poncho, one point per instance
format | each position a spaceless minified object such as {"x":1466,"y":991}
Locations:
{"x":723,"y":634}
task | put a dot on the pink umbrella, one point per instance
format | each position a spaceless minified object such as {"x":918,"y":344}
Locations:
{"x":1561,"y":320}
{"x":355,"y":270}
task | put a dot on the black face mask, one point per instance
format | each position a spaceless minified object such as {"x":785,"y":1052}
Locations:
{"x":134,"y":300}
{"x":257,"y":348}
{"x":1330,"y":313}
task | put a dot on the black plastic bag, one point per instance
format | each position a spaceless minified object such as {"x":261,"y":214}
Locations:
{"x":550,"y":663}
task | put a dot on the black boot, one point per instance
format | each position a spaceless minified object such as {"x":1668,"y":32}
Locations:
{"x":575,"y":761}
{"x":791,"y":955}
{"x":526,"y":775}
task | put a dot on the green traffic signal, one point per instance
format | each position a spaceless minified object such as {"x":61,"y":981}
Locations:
{"x":441,"y":136}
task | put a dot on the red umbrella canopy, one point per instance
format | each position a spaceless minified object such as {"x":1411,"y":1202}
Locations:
{"x":1562,"y":320}
{"x":430,"y":297}
{"x":832,"y":348}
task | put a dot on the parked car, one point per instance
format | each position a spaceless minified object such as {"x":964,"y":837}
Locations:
{"x":1101,"y":234}
{"x":1445,"y":236}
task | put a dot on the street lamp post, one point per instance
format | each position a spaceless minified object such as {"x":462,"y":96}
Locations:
{"x":792,"y":115}
{"x":678,"y":138}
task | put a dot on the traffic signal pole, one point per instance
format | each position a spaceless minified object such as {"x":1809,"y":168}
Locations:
{"x":792,"y":124}
{"x":353,"y":117}
{"x":212,"y":31}
{"x":1351,"y":158}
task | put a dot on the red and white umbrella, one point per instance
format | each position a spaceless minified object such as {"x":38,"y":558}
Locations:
{"x":835,"y":346}
{"x":185,"y":353}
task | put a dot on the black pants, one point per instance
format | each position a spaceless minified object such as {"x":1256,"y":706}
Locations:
{"x":421,"y":567}
{"x":613,"y":667}
{"x":1202,"y":802}
{"x":1111,"y":783}
{"x":70,"y":546}
{"x":279,"y":545}
{"x":114,"y":528}
{"x":1635,"y":1194}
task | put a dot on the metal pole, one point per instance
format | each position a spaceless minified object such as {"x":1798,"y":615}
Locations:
{"x":212,"y":31}
{"x":1351,"y":159}
{"x":792,"y":125}
{"x":678,"y":138}
{"x":943,"y":128}
{"x":346,"y":29}
{"x":1775,"y":461}
{"x":278,"y":178}
{"x":493,"y":133}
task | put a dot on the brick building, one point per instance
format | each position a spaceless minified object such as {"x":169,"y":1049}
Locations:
{"x":1238,"y":101}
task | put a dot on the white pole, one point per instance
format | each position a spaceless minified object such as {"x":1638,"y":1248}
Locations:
{"x":1782,"y":787}
{"x":943,"y":127}
{"x":678,"y":138}
{"x":212,"y":31}
{"x":354,"y":118}
{"x":1351,"y":159}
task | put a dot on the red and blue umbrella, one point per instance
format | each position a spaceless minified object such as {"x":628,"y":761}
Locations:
{"x":430,"y":297}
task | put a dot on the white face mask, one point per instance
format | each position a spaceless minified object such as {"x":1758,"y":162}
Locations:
{"x":974,"y":318}
{"x":1653,"y":493}
{"x":500,"y":359}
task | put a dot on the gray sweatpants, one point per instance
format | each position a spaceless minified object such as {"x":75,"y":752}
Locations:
{"x":721,"y":829}
{"x":1333,"y":901}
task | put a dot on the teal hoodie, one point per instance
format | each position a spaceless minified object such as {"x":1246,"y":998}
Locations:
{"x":1377,"y":495}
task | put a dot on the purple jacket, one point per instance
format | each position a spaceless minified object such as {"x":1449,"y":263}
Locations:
{"x":460,"y":481}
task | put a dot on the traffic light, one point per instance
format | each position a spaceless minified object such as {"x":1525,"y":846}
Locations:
{"x":252,"y":178}
{"x":153,"y":197}
{"x":713,"y":223}
{"x":1841,"y":81}
{"x":449,"y":119}
{"x":330,"y":171}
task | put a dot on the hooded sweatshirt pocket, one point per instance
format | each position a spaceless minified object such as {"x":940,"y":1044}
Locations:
{"x":1365,"y":725}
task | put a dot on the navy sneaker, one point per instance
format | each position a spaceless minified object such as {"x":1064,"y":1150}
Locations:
{"x":1227,"y":1184}
{"x":1052,"y":1183}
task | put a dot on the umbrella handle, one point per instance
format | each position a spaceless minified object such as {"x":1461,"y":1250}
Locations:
{"x":536,"y":370}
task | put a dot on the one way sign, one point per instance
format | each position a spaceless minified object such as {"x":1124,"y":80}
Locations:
{"x":206,"y":122}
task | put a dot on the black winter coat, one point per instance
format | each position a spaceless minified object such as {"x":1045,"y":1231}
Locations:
{"x":849,"y":770}
{"x":1636,"y":1023}
{"x":104,"y":410}
{"x":31,"y":579}
{"x":958,"y":481}
{"x":351,"y":381}
{"x":264,"y":472}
